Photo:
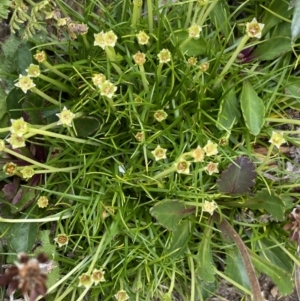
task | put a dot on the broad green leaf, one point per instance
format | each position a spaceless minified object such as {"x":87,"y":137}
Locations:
{"x":190,"y":47}
{"x":238,"y":178}
{"x":272,"y":203}
{"x":86,"y":126}
{"x":180,"y":238}
{"x":205,"y":269}
{"x":272,"y":48}
{"x":219,"y":16}
{"x":27,"y":195}
{"x":229,"y":112}
{"x":253,"y":108}
{"x":169,"y":213}
{"x":275,"y":11}
{"x":14,"y":103}
{"x":235,"y":268}
{"x":49,"y":249}
{"x":22,"y":237}
{"x":295,"y":29}
{"x":23,"y":58}
{"x":275,"y":255}
{"x":281,"y":278}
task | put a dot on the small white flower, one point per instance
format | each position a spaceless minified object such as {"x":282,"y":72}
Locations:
{"x":209,"y":207}
{"x":65,"y":117}
{"x":254,"y":29}
{"x":277,"y":139}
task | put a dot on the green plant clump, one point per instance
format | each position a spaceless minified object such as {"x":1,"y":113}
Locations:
{"x":153,"y":147}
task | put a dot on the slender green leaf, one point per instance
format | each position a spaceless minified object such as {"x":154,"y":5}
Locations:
{"x":205,"y":270}
{"x":253,"y":108}
{"x":229,"y":112}
{"x":281,"y":278}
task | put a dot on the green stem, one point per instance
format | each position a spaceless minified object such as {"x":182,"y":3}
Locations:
{"x":202,"y":17}
{"x":100,"y":247}
{"x":111,"y":54}
{"x":3,"y":130}
{"x":232,"y":59}
{"x":189,"y":14}
{"x":26,"y":159}
{"x":111,"y":103}
{"x":50,"y":218}
{"x":43,"y":95}
{"x":56,"y":83}
{"x":266,"y":159}
{"x":65,"y":169}
{"x":135,"y":14}
{"x":283,"y":120}
{"x":144,"y":79}
{"x":86,"y":42}
{"x":54,"y":70}
{"x":150,"y":15}
{"x":165,"y":172}
{"x":60,"y":136}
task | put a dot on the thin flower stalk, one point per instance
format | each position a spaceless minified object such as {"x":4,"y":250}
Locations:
{"x":60,"y":136}
{"x":112,"y":57}
{"x":45,"y":96}
{"x":205,"y":11}
{"x":56,"y":83}
{"x":54,"y":70}
{"x":150,"y":15}
{"x":136,"y":14}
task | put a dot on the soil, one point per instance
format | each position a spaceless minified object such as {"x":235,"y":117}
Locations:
{"x":227,"y":292}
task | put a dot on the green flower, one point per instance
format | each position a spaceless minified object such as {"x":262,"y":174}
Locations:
{"x":19,"y":127}
{"x":65,"y":117}
{"x":25,"y":83}
{"x":159,"y":153}
{"x":164,"y":56}
{"x":142,"y":38}
{"x":16,"y":141}
{"x":194,"y":31}
{"x":27,"y":172}
{"x":33,"y":70}
{"x":85,"y":280}
{"x":254,"y":29}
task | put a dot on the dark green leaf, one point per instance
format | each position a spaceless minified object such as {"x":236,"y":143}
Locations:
{"x":268,"y":201}
{"x":235,"y":268}
{"x":22,"y":237}
{"x":169,"y":213}
{"x":14,"y":103}
{"x":253,"y":108}
{"x":180,"y":238}
{"x":275,"y":255}
{"x":272,"y":48}
{"x":280,"y":277}
{"x":275,"y":10}
{"x":238,"y":178}
{"x":23,"y":58}
{"x":190,"y":47}
{"x":86,"y":126}
{"x":205,"y":265}
{"x":229,"y":112}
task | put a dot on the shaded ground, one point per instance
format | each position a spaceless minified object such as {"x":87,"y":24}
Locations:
{"x":226,"y":292}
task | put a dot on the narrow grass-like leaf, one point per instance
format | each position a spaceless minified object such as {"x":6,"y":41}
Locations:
{"x":253,"y":108}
